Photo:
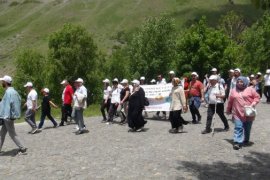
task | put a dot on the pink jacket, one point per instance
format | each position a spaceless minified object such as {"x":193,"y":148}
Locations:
{"x":237,"y":102}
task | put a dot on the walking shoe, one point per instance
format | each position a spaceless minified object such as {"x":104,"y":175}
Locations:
{"x":109,"y":123}
{"x":76,"y":127}
{"x":61,"y":124}
{"x":35,"y":131}
{"x":180,"y":129}
{"x":206,"y":131}
{"x":22,"y":151}
{"x":131,"y":130}
{"x":79,"y":132}
{"x":139,"y":130}
{"x":226,"y":129}
{"x":236,"y":146}
{"x":104,"y":121}
{"x":194,"y":122}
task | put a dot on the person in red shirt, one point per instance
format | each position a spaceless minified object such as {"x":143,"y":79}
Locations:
{"x":66,"y":101}
{"x":195,"y":93}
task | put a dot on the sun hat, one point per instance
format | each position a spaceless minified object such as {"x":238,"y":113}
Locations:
{"x":46,"y":90}
{"x":79,"y":80}
{"x":124,"y":81}
{"x":214,"y":70}
{"x":6,"y":78}
{"x":135,"y":81}
{"x":106,"y":81}
{"x":213,"y":77}
{"x":28,"y":84}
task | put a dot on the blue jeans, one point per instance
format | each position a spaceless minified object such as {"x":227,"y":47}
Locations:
{"x":241,"y":131}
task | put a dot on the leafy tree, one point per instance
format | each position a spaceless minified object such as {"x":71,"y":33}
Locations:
{"x":200,"y":48}
{"x":232,"y":25}
{"x":153,"y":47}
{"x":261,"y":4}
{"x":72,"y":54}
{"x":256,"y":42}
{"x":30,"y":66}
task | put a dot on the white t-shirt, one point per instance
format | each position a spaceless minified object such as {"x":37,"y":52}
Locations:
{"x":32,"y":96}
{"x":115,"y":95}
{"x":163,"y":81}
{"x":266,"y":80}
{"x":216,"y":90}
{"x":63,"y":94}
{"x":107,"y":93}
{"x":80,"y":99}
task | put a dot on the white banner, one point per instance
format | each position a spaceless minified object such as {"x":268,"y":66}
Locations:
{"x":158,"y":96}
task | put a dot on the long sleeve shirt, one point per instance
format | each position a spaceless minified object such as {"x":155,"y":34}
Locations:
{"x":239,"y":99}
{"x":10,"y":106}
{"x":178,"y":98}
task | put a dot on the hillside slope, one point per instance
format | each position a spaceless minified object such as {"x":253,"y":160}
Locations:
{"x":28,"y":23}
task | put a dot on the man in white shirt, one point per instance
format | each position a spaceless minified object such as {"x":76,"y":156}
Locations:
{"x":106,"y":102}
{"x":31,"y":105}
{"x":115,"y":101}
{"x":216,"y":104}
{"x":160,"y":80}
{"x":267,"y":86}
{"x":80,"y":103}
{"x":237,"y":73}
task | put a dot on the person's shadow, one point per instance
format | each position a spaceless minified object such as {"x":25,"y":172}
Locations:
{"x":11,"y":153}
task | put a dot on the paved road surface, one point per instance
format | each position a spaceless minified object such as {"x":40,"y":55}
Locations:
{"x":110,"y":152}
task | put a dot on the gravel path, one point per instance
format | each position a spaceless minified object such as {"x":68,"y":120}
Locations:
{"x":110,"y":152}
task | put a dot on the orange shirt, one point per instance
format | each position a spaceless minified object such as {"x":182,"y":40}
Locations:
{"x":195,"y":88}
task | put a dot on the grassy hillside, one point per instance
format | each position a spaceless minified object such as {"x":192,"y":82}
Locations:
{"x":28,"y":23}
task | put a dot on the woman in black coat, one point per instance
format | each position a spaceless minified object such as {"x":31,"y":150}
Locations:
{"x":136,"y":121}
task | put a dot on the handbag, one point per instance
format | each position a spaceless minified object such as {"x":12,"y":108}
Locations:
{"x":250,"y":111}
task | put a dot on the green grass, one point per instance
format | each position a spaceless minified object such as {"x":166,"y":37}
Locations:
{"x":92,"y":111}
{"x":28,"y":23}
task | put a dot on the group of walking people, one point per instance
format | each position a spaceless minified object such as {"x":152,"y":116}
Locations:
{"x":239,"y":92}
{"x":129,"y":101}
{"x":10,"y":108}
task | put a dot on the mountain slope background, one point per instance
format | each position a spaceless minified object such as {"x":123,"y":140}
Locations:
{"x":28,"y":23}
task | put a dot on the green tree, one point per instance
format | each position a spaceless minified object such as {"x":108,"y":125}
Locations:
{"x":200,"y":48}
{"x":256,"y":42}
{"x":153,"y":48}
{"x":232,"y":25}
{"x":261,"y":4}
{"x":73,"y":54}
{"x":30,"y":66}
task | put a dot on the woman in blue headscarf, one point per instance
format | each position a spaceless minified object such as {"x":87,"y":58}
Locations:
{"x":240,"y":97}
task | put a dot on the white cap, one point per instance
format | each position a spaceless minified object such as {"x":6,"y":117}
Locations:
{"x":106,"y":81}
{"x":46,"y":90}
{"x":115,"y":80}
{"x":79,"y":80}
{"x":194,"y":73}
{"x":135,"y":81}
{"x":237,"y":69}
{"x":252,"y":75}
{"x":153,"y":81}
{"x":124,"y":81}
{"x":142,"y":78}
{"x":259,"y":73}
{"x":213,"y":77}
{"x":28,"y":84}
{"x":63,"y":82}
{"x":214,"y":69}
{"x":6,"y":78}
{"x":268,"y":71}
{"x":171,"y":72}
{"x":231,"y":70}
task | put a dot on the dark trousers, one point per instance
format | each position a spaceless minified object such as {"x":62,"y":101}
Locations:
{"x":43,"y":116}
{"x":163,"y":112}
{"x":194,"y":112}
{"x":104,"y":106}
{"x":267,"y":93}
{"x":66,"y":112}
{"x":112,"y":111}
{"x":176,"y":118}
{"x":219,"y":111}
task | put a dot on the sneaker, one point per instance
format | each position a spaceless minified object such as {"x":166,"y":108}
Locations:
{"x":180,"y":129}
{"x":109,"y":123}
{"x":22,"y":151}
{"x":35,"y":131}
{"x":131,"y":130}
{"x":226,"y":129}
{"x":236,"y":146}
{"x":206,"y":131}
{"x":104,"y":121}
{"x":139,"y":130}
{"x":61,"y":124}
{"x":79,"y":132}
{"x":76,"y":127}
